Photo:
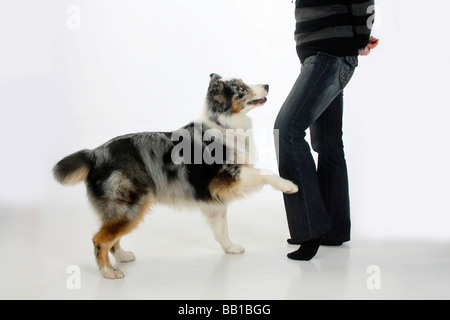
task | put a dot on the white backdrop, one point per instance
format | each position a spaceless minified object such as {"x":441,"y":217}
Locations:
{"x":75,"y":73}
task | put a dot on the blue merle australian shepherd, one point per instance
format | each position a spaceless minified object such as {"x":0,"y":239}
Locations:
{"x":202,"y":164}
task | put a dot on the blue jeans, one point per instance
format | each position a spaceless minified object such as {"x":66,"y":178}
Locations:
{"x":322,"y":206}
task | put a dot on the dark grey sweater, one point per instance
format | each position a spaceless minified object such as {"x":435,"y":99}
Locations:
{"x":337,"y":27}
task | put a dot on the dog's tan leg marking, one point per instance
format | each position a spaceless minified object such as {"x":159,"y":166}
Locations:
{"x":217,"y":219}
{"x":108,"y":238}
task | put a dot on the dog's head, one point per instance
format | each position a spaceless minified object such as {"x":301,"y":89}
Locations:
{"x":230,"y":96}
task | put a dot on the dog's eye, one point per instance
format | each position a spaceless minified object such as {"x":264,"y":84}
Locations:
{"x":242,"y":88}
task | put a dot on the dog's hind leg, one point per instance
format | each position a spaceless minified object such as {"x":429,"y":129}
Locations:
{"x":217,"y":219}
{"x":120,"y":254}
{"x":108,"y":239}
{"x":103,"y":241}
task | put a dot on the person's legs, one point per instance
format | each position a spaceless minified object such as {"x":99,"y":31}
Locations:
{"x":326,"y":140}
{"x":317,"y":86}
{"x":321,"y":81}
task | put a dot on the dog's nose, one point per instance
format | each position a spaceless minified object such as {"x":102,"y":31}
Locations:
{"x":266,"y":86}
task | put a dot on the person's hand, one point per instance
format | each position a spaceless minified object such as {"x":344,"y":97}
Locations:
{"x":373,"y":43}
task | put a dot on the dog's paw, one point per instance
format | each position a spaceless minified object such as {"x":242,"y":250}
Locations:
{"x":235,"y":249}
{"x":111,"y":273}
{"x":124,"y":256}
{"x":288,"y":187}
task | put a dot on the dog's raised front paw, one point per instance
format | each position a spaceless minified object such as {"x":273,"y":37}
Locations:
{"x":288,"y":187}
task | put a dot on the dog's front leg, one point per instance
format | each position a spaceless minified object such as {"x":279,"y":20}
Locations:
{"x":251,"y":179}
{"x":217,"y":219}
{"x":278,"y":183}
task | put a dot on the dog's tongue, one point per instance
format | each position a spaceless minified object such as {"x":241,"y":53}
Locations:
{"x":260,"y":101}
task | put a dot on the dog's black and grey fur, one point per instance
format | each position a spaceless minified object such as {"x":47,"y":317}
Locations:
{"x":128,"y":174}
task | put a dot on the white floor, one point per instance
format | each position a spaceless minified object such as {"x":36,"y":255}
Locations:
{"x":177,"y":258}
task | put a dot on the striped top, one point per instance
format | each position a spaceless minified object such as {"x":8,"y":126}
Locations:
{"x":337,"y":27}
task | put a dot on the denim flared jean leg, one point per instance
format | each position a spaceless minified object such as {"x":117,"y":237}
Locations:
{"x":321,"y":207}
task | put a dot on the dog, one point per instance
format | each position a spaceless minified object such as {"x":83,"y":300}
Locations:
{"x":199,"y":165}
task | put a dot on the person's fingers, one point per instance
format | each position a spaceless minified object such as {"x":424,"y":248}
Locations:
{"x":373,"y":43}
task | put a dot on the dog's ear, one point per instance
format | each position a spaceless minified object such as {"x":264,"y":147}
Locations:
{"x":216,"y":88}
{"x":215,"y":76}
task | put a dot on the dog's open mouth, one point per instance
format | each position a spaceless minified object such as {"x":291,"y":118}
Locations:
{"x":258,"y":102}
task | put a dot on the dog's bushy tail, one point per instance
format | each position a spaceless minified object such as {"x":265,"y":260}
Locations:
{"x":73,"y":169}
